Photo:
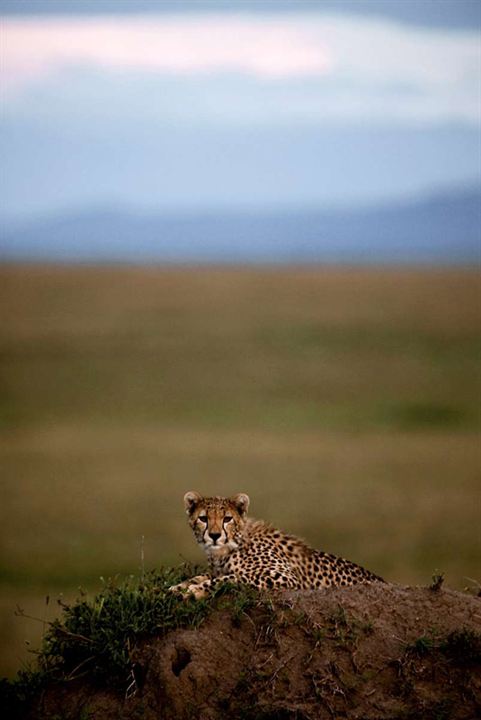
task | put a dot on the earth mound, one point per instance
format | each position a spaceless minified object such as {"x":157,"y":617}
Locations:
{"x":373,"y":652}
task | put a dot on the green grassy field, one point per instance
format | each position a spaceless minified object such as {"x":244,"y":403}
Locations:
{"x":344,"y":401}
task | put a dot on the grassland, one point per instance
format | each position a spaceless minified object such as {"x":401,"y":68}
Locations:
{"x":344,"y":401}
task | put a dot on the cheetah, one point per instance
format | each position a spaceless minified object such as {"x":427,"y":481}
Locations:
{"x":252,"y":552}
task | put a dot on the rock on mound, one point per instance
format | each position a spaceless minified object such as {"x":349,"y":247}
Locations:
{"x":366,"y":652}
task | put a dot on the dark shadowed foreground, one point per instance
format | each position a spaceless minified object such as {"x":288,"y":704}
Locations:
{"x":368,"y":652}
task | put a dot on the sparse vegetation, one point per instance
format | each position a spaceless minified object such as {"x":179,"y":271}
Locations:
{"x":423,"y":645}
{"x":437,"y":583}
{"x":462,"y":646}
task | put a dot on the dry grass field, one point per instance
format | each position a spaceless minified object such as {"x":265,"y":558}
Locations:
{"x":344,"y":401}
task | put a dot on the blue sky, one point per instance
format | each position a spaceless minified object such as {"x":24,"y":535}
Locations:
{"x":167,"y":106}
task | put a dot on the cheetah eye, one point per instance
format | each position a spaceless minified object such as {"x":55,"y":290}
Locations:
{"x":202,"y":518}
{"x":227,"y":518}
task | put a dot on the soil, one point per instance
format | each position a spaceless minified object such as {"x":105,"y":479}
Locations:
{"x":374,"y":652}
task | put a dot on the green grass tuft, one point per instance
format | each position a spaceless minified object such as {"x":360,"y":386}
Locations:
{"x":95,"y":637}
{"x":462,"y":647}
{"x":101,"y":633}
{"x":423,"y":645}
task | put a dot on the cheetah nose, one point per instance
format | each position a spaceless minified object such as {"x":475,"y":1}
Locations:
{"x":214,"y":536}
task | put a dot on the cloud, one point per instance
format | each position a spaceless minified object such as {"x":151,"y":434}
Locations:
{"x":298,"y":67}
{"x":170,"y":45}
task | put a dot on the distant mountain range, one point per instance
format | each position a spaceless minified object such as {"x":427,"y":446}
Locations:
{"x":445,"y":228}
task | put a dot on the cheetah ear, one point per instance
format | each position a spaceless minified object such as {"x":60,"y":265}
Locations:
{"x":241,"y":501}
{"x":191,"y":500}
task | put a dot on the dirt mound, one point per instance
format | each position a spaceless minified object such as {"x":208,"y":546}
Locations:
{"x":366,"y":653}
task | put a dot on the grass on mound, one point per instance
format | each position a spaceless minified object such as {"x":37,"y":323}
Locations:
{"x":94,"y":638}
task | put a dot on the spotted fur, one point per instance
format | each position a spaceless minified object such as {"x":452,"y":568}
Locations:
{"x":252,"y":552}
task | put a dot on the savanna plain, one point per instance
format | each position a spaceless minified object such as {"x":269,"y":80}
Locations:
{"x":344,"y":401}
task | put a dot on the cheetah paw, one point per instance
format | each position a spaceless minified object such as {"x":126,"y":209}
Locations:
{"x":186,"y":591}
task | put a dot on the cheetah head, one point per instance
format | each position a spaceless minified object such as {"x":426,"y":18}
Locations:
{"x":217,"y":522}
